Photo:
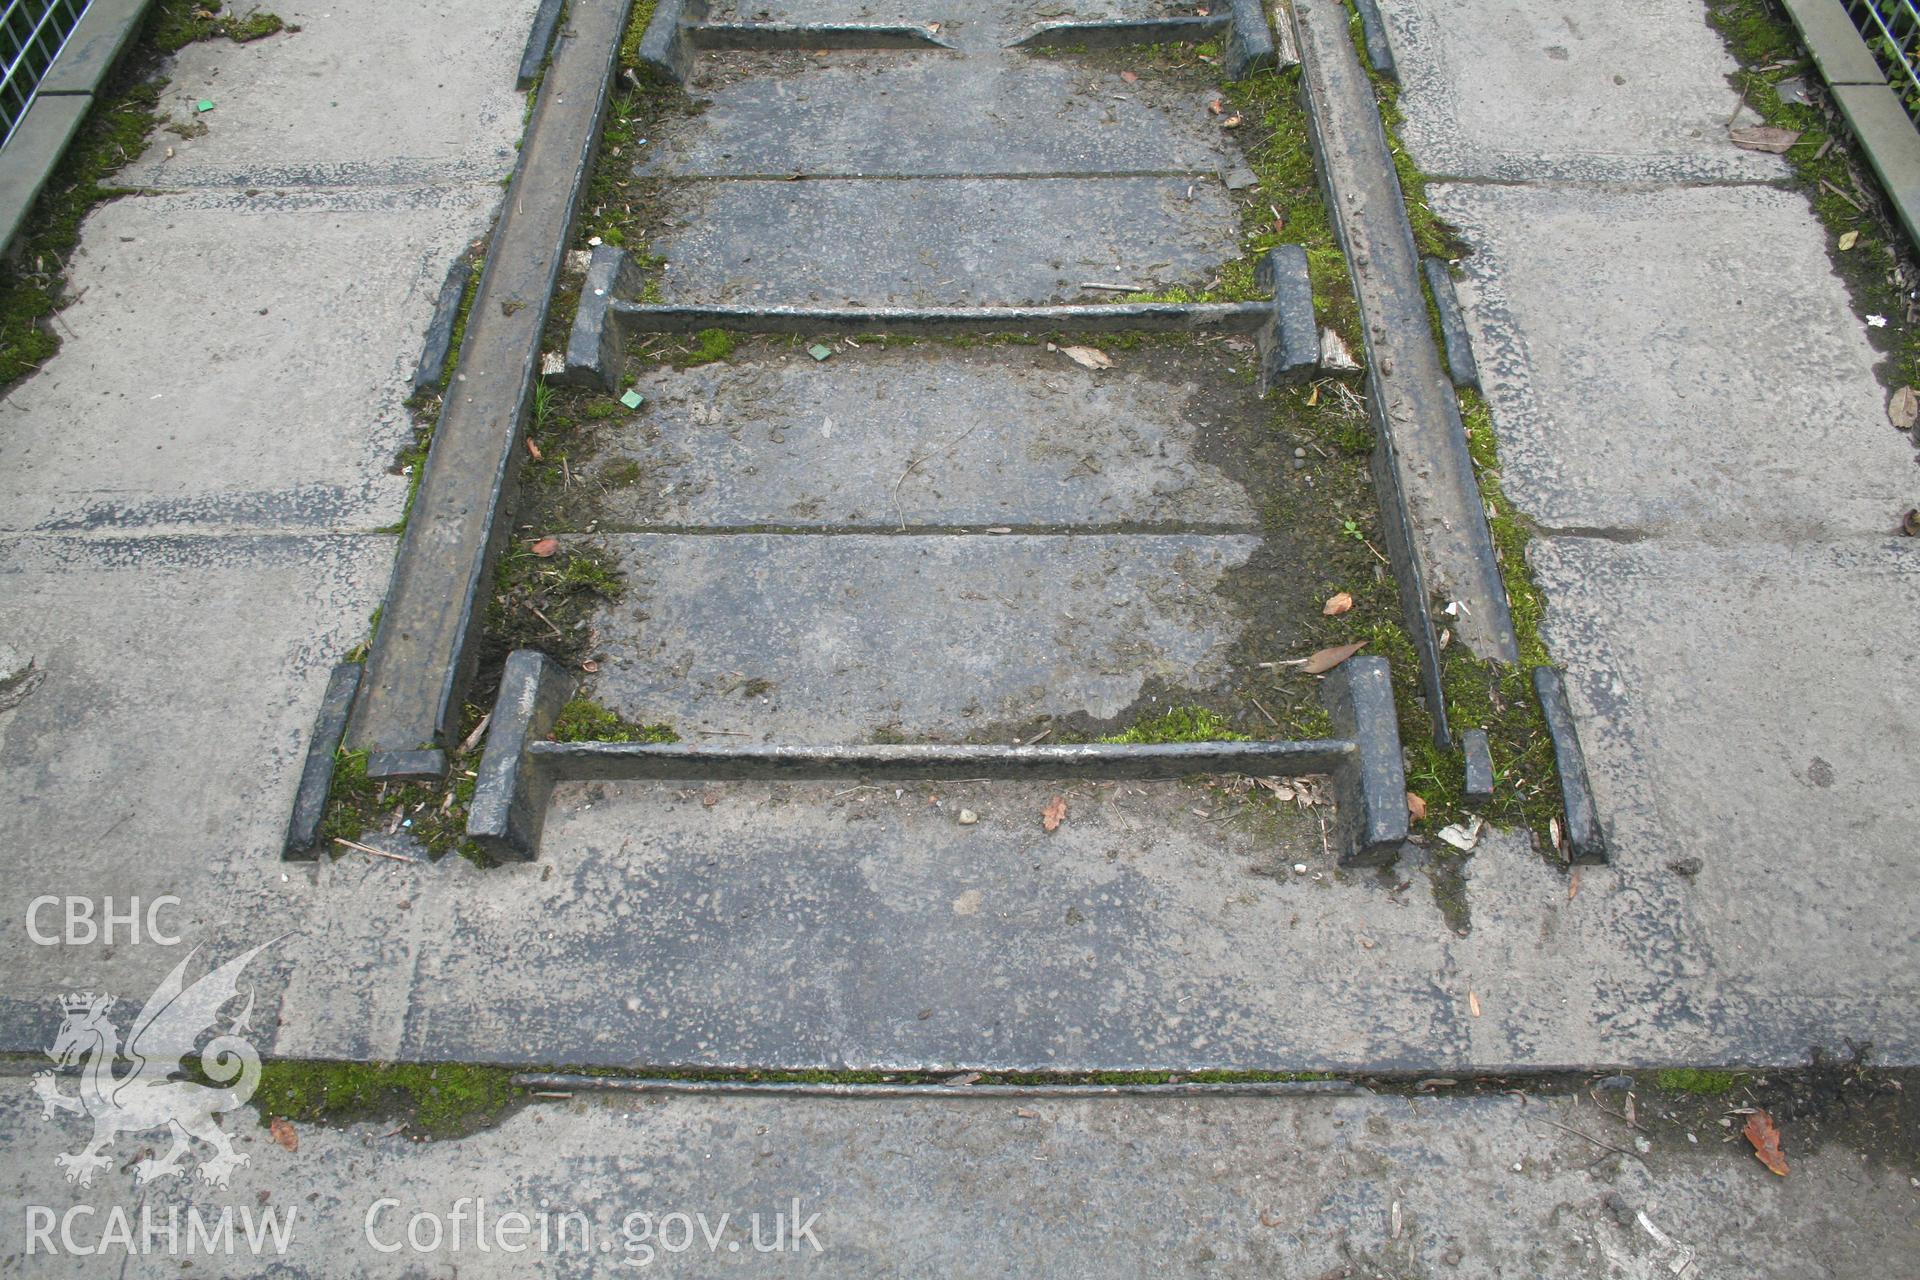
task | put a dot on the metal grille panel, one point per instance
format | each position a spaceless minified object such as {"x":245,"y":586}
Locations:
{"x":31,"y":35}
{"x":1891,"y":29}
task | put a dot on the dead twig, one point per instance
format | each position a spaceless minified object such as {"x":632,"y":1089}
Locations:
{"x":373,"y":852}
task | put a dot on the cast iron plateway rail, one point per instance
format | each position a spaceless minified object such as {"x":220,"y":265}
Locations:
{"x":421,"y":658}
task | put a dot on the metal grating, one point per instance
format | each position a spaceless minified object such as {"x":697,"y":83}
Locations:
{"x":31,"y":35}
{"x":1891,"y":29}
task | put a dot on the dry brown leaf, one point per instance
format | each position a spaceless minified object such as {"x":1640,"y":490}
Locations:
{"x":1215,"y":106}
{"x":545,"y":547}
{"x":1337,"y":605}
{"x":1573,"y":884}
{"x":1088,"y":357}
{"x":1848,"y":240}
{"x":1416,"y":806}
{"x":534,"y":449}
{"x":1129,"y":76}
{"x":1327,"y":659}
{"x":1764,"y":137}
{"x":1231,"y":122}
{"x":1054,"y":814}
{"x":284,"y":1134}
{"x":1765,"y":1137}
{"x":1903,"y":409}
{"x":1473,"y":1003}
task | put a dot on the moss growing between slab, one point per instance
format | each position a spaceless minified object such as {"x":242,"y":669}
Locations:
{"x":1179,"y":724}
{"x":433,"y":815}
{"x":585,"y":721}
{"x":710,"y":345}
{"x":1829,"y":168}
{"x":439,"y":1100}
{"x":1694,"y":1080}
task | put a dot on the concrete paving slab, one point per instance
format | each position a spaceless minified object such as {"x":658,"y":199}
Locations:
{"x":999,"y":435}
{"x":941,"y":115}
{"x":1752,"y":710}
{"x":1526,"y":91}
{"x":1748,"y":381}
{"x":832,"y":923}
{"x":405,"y":95}
{"x":1367,"y":1186}
{"x":808,"y":639}
{"x":231,"y":368}
{"x":934,"y":242}
{"x":161,"y":748}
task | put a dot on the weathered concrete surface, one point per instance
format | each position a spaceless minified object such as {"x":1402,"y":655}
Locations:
{"x":1802,"y":655}
{"x":1378,"y":1186}
{"x":937,"y":435}
{"x":228,"y":366}
{"x":159,"y":753}
{"x":808,"y":639}
{"x":1528,"y":91}
{"x":939,"y":241}
{"x":877,"y":115}
{"x":362,"y":95}
{"x":1679,"y":363}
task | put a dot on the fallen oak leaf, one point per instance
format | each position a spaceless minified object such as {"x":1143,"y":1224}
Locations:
{"x":1764,"y":137}
{"x":1337,"y":605}
{"x":1416,"y":806}
{"x":1129,"y":76}
{"x":1903,"y":408}
{"x":1327,"y":659}
{"x":546,"y":547}
{"x":1764,"y":1134}
{"x":1088,"y":357}
{"x":1054,"y":814}
{"x":284,"y":1133}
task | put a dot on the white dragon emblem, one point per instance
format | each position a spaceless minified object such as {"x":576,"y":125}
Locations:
{"x":148,"y":1096}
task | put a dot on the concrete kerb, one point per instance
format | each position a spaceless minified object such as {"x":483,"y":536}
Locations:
{"x":1585,"y":840}
{"x":766,"y":36}
{"x":520,"y":766}
{"x":510,"y":788}
{"x":1119,"y":34}
{"x":423,"y":654}
{"x":446,"y":313}
{"x":664,"y":47}
{"x":316,"y":776}
{"x":1438,"y":538}
{"x":1250,"y":47}
{"x":596,"y":345}
{"x":1453,"y":325}
{"x":546,"y":20}
{"x":1374,"y":29}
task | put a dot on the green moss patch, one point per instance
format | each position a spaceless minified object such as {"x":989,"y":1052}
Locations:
{"x":432,"y":815}
{"x":1180,"y":724}
{"x":1694,"y":1080}
{"x":438,"y":1100}
{"x":584,"y":721}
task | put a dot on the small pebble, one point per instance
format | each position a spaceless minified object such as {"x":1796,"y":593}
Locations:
{"x":968,"y":817}
{"x":1299,"y":464}
{"x":1299,"y":868}
{"x":1299,"y":453}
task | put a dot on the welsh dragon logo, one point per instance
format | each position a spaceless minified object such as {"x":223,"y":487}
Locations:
{"x":148,"y":1096}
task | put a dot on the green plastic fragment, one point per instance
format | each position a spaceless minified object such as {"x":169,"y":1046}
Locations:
{"x":205,"y":104}
{"x":819,"y":352}
{"x":633,"y":399}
